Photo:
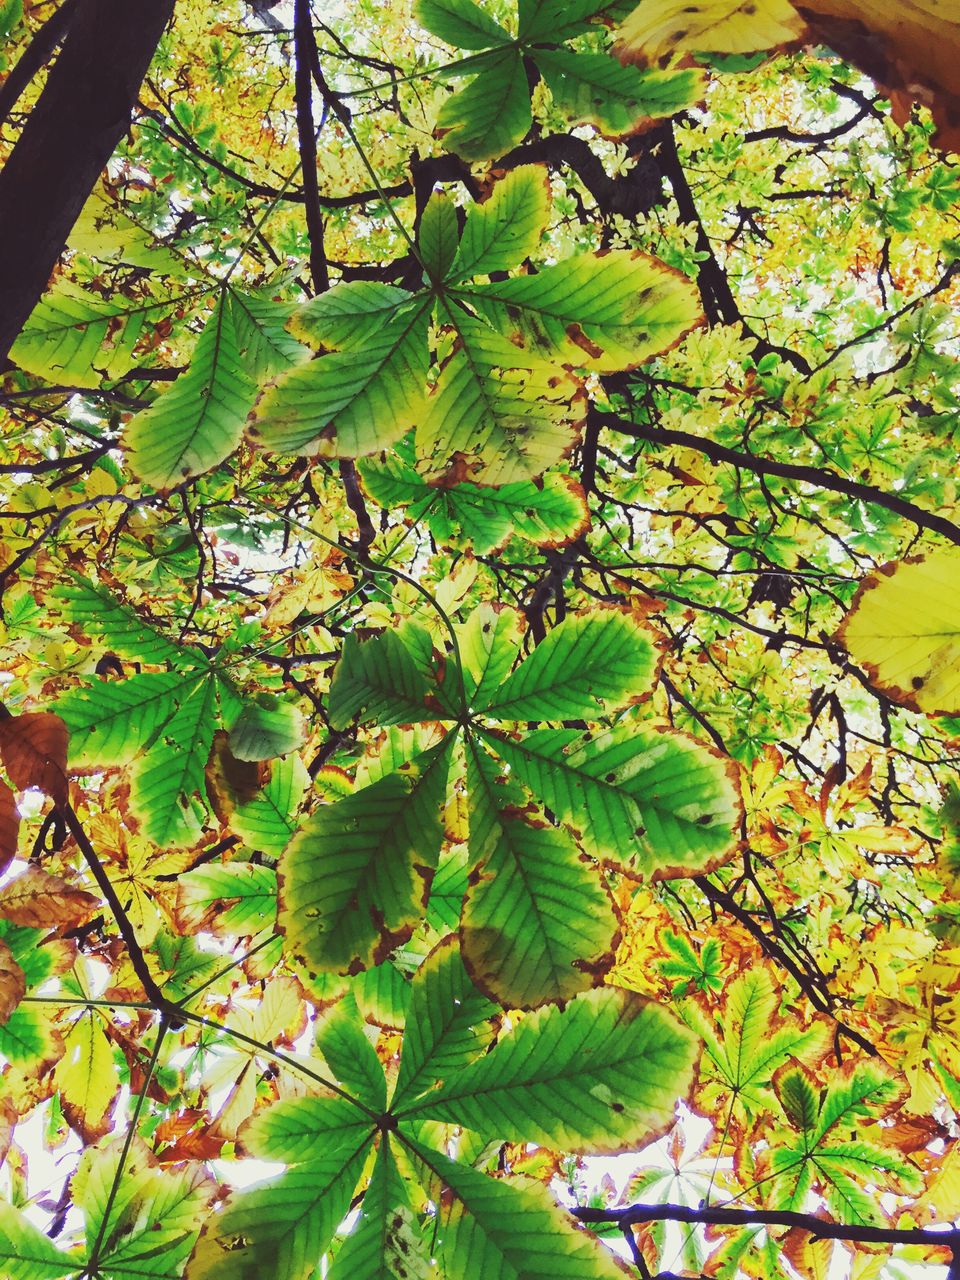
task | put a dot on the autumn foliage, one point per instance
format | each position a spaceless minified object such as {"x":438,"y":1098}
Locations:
{"x":480,"y":644}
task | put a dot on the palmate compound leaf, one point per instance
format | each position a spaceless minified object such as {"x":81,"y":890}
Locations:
{"x":493,"y":113}
{"x":662,"y":801}
{"x":507,"y":403}
{"x":903,"y":628}
{"x":355,"y":878}
{"x":537,"y":924}
{"x":753,"y":1041}
{"x":197,"y":423}
{"x":551,"y":512}
{"x":658,"y":27}
{"x":607,"y":1069}
{"x":28,"y":1038}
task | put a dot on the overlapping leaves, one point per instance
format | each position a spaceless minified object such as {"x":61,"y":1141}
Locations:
{"x":537,"y":922}
{"x":551,"y":1079}
{"x":492,"y":113}
{"x":163,"y":723}
{"x":507,"y":401}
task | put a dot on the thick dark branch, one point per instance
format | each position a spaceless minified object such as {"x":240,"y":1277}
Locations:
{"x":134,"y":951}
{"x":35,"y":55}
{"x":817,"y":1227}
{"x":80,"y":117}
{"x":719,"y":303}
{"x":305,"y":55}
{"x":820,"y":477}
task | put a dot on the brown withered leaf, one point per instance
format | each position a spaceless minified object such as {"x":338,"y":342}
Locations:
{"x":9,"y":826}
{"x":8,"y":1122}
{"x":43,"y":901}
{"x":231,"y":782}
{"x":13,"y":984}
{"x":33,"y":747}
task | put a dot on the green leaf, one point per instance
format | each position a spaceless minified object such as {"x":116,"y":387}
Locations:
{"x":238,"y":898}
{"x":379,"y":680}
{"x":460,"y":22}
{"x":602,"y":1074}
{"x":155,"y":1232}
{"x":665,"y":801}
{"x":348,"y":315}
{"x":282,"y":1227}
{"x":199,"y":421}
{"x":101,"y":616}
{"x":266,"y":728}
{"x":797,"y":1097}
{"x":111,"y":721}
{"x":439,"y":235}
{"x":447,"y":1025}
{"x":352,"y":402}
{"x":497,"y":414}
{"x":78,"y":339}
{"x":506,"y":228}
{"x":537,"y":923}
{"x":26,"y":1253}
{"x":491,"y":114}
{"x":604,"y":311}
{"x":489,"y":641}
{"x":302,"y":1130}
{"x":351,"y":1056}
{"x":266,"y":347}
{"x":593,"y":88}
{"x":355,"y":878}
{"x":754,"y":1044}
{"x":168,"y":780}
{"x":506,"y":1230}
{"x":268,"y":820}
{"x":589,"y":659}
{"x":387,"y":1241}
{"x":553,"y":20}
{"x":551,"y":512}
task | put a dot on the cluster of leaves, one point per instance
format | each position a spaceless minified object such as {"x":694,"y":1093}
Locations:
{"x":497,"y":707}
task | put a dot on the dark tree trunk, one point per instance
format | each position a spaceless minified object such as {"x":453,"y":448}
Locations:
{"x":81,"y":115}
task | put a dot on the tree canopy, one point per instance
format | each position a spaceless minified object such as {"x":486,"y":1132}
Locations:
{"x":480,"y":639}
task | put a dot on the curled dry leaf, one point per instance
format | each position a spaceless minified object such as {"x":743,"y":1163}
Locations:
{"x":43,"y":901}
{"x":13,"y":986}
{"x":33,"y":748}
{"x":9,"y":826}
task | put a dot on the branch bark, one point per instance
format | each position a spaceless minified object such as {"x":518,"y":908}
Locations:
{"x":817,"y":1227}
{"x":820,"y":477}
{"x":80,"y":117}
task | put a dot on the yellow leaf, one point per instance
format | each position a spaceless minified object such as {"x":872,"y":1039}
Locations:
{"x":87,"y":1078}
{"x":904,"y":630}
{"x":658,"y":27}
{"x":39,"y":900}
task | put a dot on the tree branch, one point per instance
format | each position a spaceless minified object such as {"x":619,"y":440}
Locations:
{"x":818,"y":1228}
{"x":80,"y":117}
{"x":817,"y":476}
